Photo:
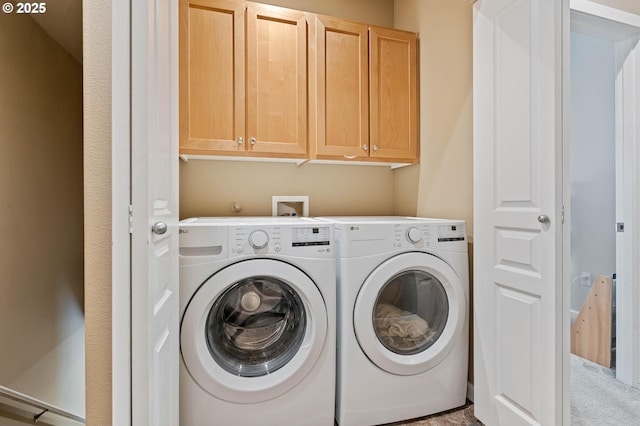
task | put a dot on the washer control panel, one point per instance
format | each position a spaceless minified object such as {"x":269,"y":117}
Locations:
{"x":300,"y":240}
{"x":451,"y":232}
{"x":424,"y":235}
{"x":311,"y":236}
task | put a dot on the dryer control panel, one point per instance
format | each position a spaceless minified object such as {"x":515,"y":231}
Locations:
{"x":373,"y":235}
{"x":448,"y":236}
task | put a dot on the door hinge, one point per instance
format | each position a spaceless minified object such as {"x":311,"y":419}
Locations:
{"x":562,"y":215}
{"x":130,"y":208}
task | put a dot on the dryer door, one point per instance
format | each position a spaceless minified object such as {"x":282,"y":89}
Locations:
{"x":253,"y":330}
{"x":409,"y":313}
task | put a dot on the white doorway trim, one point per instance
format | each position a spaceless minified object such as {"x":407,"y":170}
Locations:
{"x":121,"y":200}
{"x":627,"y":93}
{"x":628,"y":242}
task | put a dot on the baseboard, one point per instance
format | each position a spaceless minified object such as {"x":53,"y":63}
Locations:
{"x":470,"y":391}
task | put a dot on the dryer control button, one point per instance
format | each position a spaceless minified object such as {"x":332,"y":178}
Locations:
{"x":258,"y":239}
{"x":239,"y":249}
{"x":414,"y":235}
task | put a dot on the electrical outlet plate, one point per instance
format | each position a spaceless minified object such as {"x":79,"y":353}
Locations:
{"x":290,"y":205}
{"x":585,"y":279}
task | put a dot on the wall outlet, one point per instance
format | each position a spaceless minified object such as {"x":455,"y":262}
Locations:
{"x":585,"y":279}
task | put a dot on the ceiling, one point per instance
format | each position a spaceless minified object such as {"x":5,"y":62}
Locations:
{"x":63,"y":22}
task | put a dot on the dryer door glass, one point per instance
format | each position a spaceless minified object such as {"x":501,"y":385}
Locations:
{"x":256,"y":326}
{"x":410,"y":312}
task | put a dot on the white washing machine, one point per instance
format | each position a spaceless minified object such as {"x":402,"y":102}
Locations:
{"x":257,"y":332}
{"x":403,"y":291}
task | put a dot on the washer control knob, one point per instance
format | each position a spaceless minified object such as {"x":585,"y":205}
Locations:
{"x":239,"y":249}
{"x":414,"y":235}
{"x":258,"y":239}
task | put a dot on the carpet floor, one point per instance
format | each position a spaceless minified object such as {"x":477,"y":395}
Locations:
{"x":598,"y":399}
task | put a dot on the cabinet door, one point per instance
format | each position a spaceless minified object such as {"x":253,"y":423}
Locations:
{"x":394,"y":106}
{"x":276,"y":81}
{"x":339,"y":88}
{"x":212,"y":113}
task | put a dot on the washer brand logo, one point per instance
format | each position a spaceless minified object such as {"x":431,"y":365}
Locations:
{"x":183,"y":231}
{"x":354,"y":228}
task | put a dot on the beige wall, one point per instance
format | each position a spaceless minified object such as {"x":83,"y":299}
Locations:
{"x":445,"y":181}
{"x":631,"y":6}
{"x":96,"y":15}
{"x":41,"y":302}
{"x":405,"y":190}
{"x":208,"y":188}
{"x":377,"y":12}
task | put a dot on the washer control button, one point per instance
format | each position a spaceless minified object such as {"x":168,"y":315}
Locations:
{"x":239,"y":249}
{"x":258,"y":239}
{"x":414,"y":235}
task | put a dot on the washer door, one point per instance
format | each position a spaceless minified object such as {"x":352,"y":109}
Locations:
{"x":253,"y":330}
{"x":409,"y":313}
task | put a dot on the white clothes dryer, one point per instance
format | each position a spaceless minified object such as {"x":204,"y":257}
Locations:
{"x":257,"y":331}
{"x":403,"y":291}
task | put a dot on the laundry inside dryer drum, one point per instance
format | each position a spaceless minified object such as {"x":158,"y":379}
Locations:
{"x":256,"y":326}
{"x":411,"y":312}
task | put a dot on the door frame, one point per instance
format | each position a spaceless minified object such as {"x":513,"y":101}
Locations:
{"x":120,"y":211}
{"x":627,"y":140}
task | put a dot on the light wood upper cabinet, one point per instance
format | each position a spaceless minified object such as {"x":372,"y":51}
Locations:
{"x":246,"y":90}
{"x":339,"y":88}
{"x":276,"y":80}
{"x":363,"y":92}
{"x":394,"y":104}
{"x":212,"y":76}
{"x":224,"y":44}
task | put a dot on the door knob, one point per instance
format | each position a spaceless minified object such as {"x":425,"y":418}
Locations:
{"x":543,"y":218}
{"x":159,"y":228}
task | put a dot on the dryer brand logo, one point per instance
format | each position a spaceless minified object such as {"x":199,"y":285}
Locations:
{"x":354,"y":228}
{"x":183,"y":231}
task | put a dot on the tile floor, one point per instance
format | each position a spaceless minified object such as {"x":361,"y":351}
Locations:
{"x":458,"y":416}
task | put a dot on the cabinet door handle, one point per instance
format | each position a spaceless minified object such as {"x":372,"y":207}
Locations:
{"x":253,"y":141}
{"x":365,"y":147}
{"x":240,"y":140}
{"x":375,"y":147}
{"x":350,"y":157}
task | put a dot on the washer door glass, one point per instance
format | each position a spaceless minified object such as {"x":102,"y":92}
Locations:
{"x":410,"y":312}
{"x":253,"y":330}
{"x":256,"y":326}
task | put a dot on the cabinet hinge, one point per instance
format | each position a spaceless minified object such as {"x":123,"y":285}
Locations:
{"x":130,"y":208}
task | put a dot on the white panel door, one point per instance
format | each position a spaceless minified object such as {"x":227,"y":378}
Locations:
{"x":154,"y":121}
{"x":518,"y":140}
